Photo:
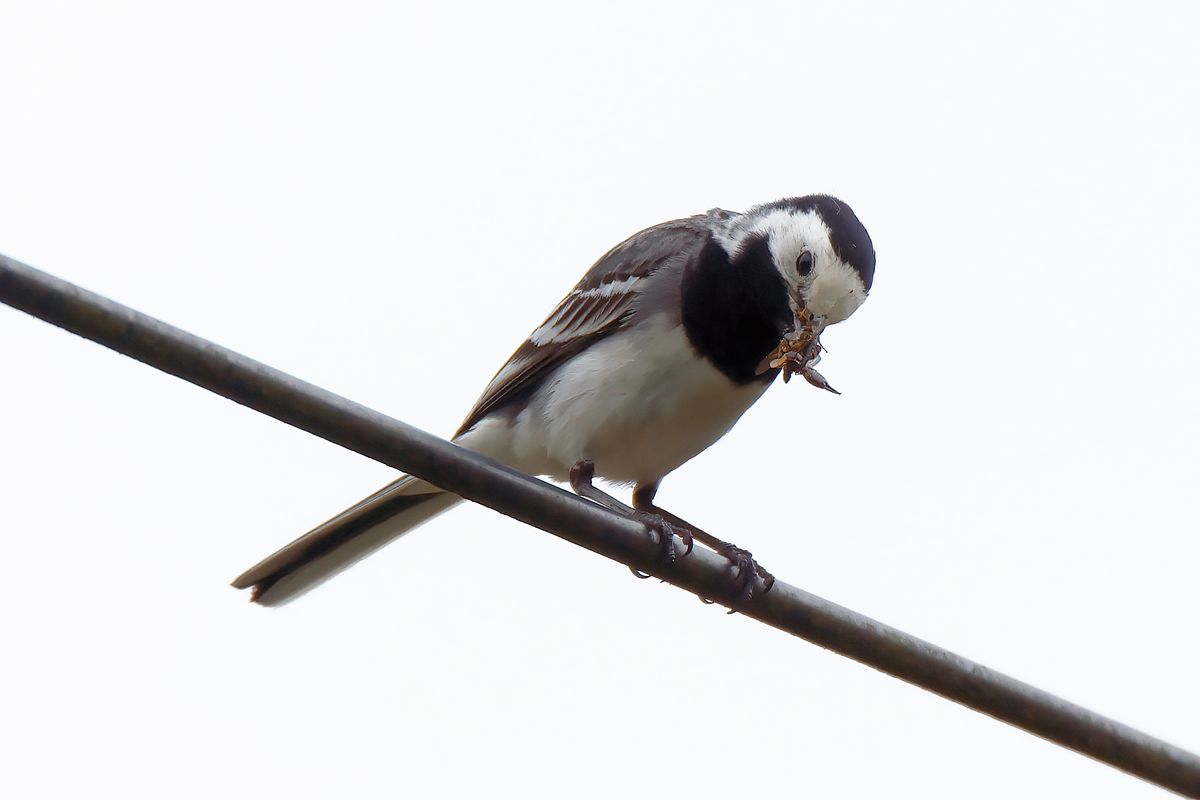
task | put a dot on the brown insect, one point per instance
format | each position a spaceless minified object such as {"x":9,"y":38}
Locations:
{"x":799,"y":353}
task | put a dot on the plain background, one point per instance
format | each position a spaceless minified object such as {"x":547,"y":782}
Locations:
{"x":385,"y":199}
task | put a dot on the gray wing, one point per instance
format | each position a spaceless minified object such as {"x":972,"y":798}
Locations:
{"x":600,"y":304}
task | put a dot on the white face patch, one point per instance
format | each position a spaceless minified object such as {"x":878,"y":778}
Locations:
{"x":834,"y":290}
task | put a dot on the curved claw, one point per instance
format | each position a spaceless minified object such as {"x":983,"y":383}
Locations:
{"x":666,"y":533}
{"x":768,"y":580}
{"x":745,"y":580}
{"x":637,"y":573}
{"x":747,"y":572}
{"x":689,"y":541}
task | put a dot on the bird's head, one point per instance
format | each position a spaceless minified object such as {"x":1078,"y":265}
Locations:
{"x":820,"y":249}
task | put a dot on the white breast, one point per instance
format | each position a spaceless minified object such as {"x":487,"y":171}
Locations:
{"x":638,"y":404}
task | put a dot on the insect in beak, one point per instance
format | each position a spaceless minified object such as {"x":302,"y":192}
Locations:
{"x":799,"y":352}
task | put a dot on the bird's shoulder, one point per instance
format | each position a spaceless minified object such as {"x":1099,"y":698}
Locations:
{"x":649,"y":251}
{"x":604,"y":301}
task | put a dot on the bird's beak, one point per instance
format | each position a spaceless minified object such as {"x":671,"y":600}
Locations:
{"x":799,"y":309}
{"x":805,"y":318}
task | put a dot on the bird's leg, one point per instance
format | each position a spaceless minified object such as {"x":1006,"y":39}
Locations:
{"x":581,"y":476}
{"x":743,"y":561}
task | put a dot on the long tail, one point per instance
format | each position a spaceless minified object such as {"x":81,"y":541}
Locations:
{"x":340,"y":542}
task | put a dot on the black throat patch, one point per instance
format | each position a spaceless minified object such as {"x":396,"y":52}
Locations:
{"x":735,"y":312}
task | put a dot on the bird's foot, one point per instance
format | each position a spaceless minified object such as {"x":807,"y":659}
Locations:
{"x":747,"y":574}
{"x":666,"y":533}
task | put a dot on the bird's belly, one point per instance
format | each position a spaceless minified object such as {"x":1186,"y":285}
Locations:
{"x":637,"y":404}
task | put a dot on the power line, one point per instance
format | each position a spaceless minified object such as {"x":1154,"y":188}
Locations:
{"x":586,"y":524}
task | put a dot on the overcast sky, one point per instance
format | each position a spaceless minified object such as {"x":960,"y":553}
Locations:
{"x":385,"y":199}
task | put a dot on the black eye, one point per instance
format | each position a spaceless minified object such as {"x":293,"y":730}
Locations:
{"x":804,"y":264}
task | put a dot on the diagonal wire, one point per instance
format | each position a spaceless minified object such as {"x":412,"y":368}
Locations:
{"x":554,"y":510}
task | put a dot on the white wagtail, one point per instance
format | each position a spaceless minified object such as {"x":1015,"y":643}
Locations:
{"x":649,"y":360}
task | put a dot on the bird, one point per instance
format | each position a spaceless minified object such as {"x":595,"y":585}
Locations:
{"x":652,"y":357}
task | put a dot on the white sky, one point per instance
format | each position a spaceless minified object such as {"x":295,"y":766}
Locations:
{"x":385,"y":200}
